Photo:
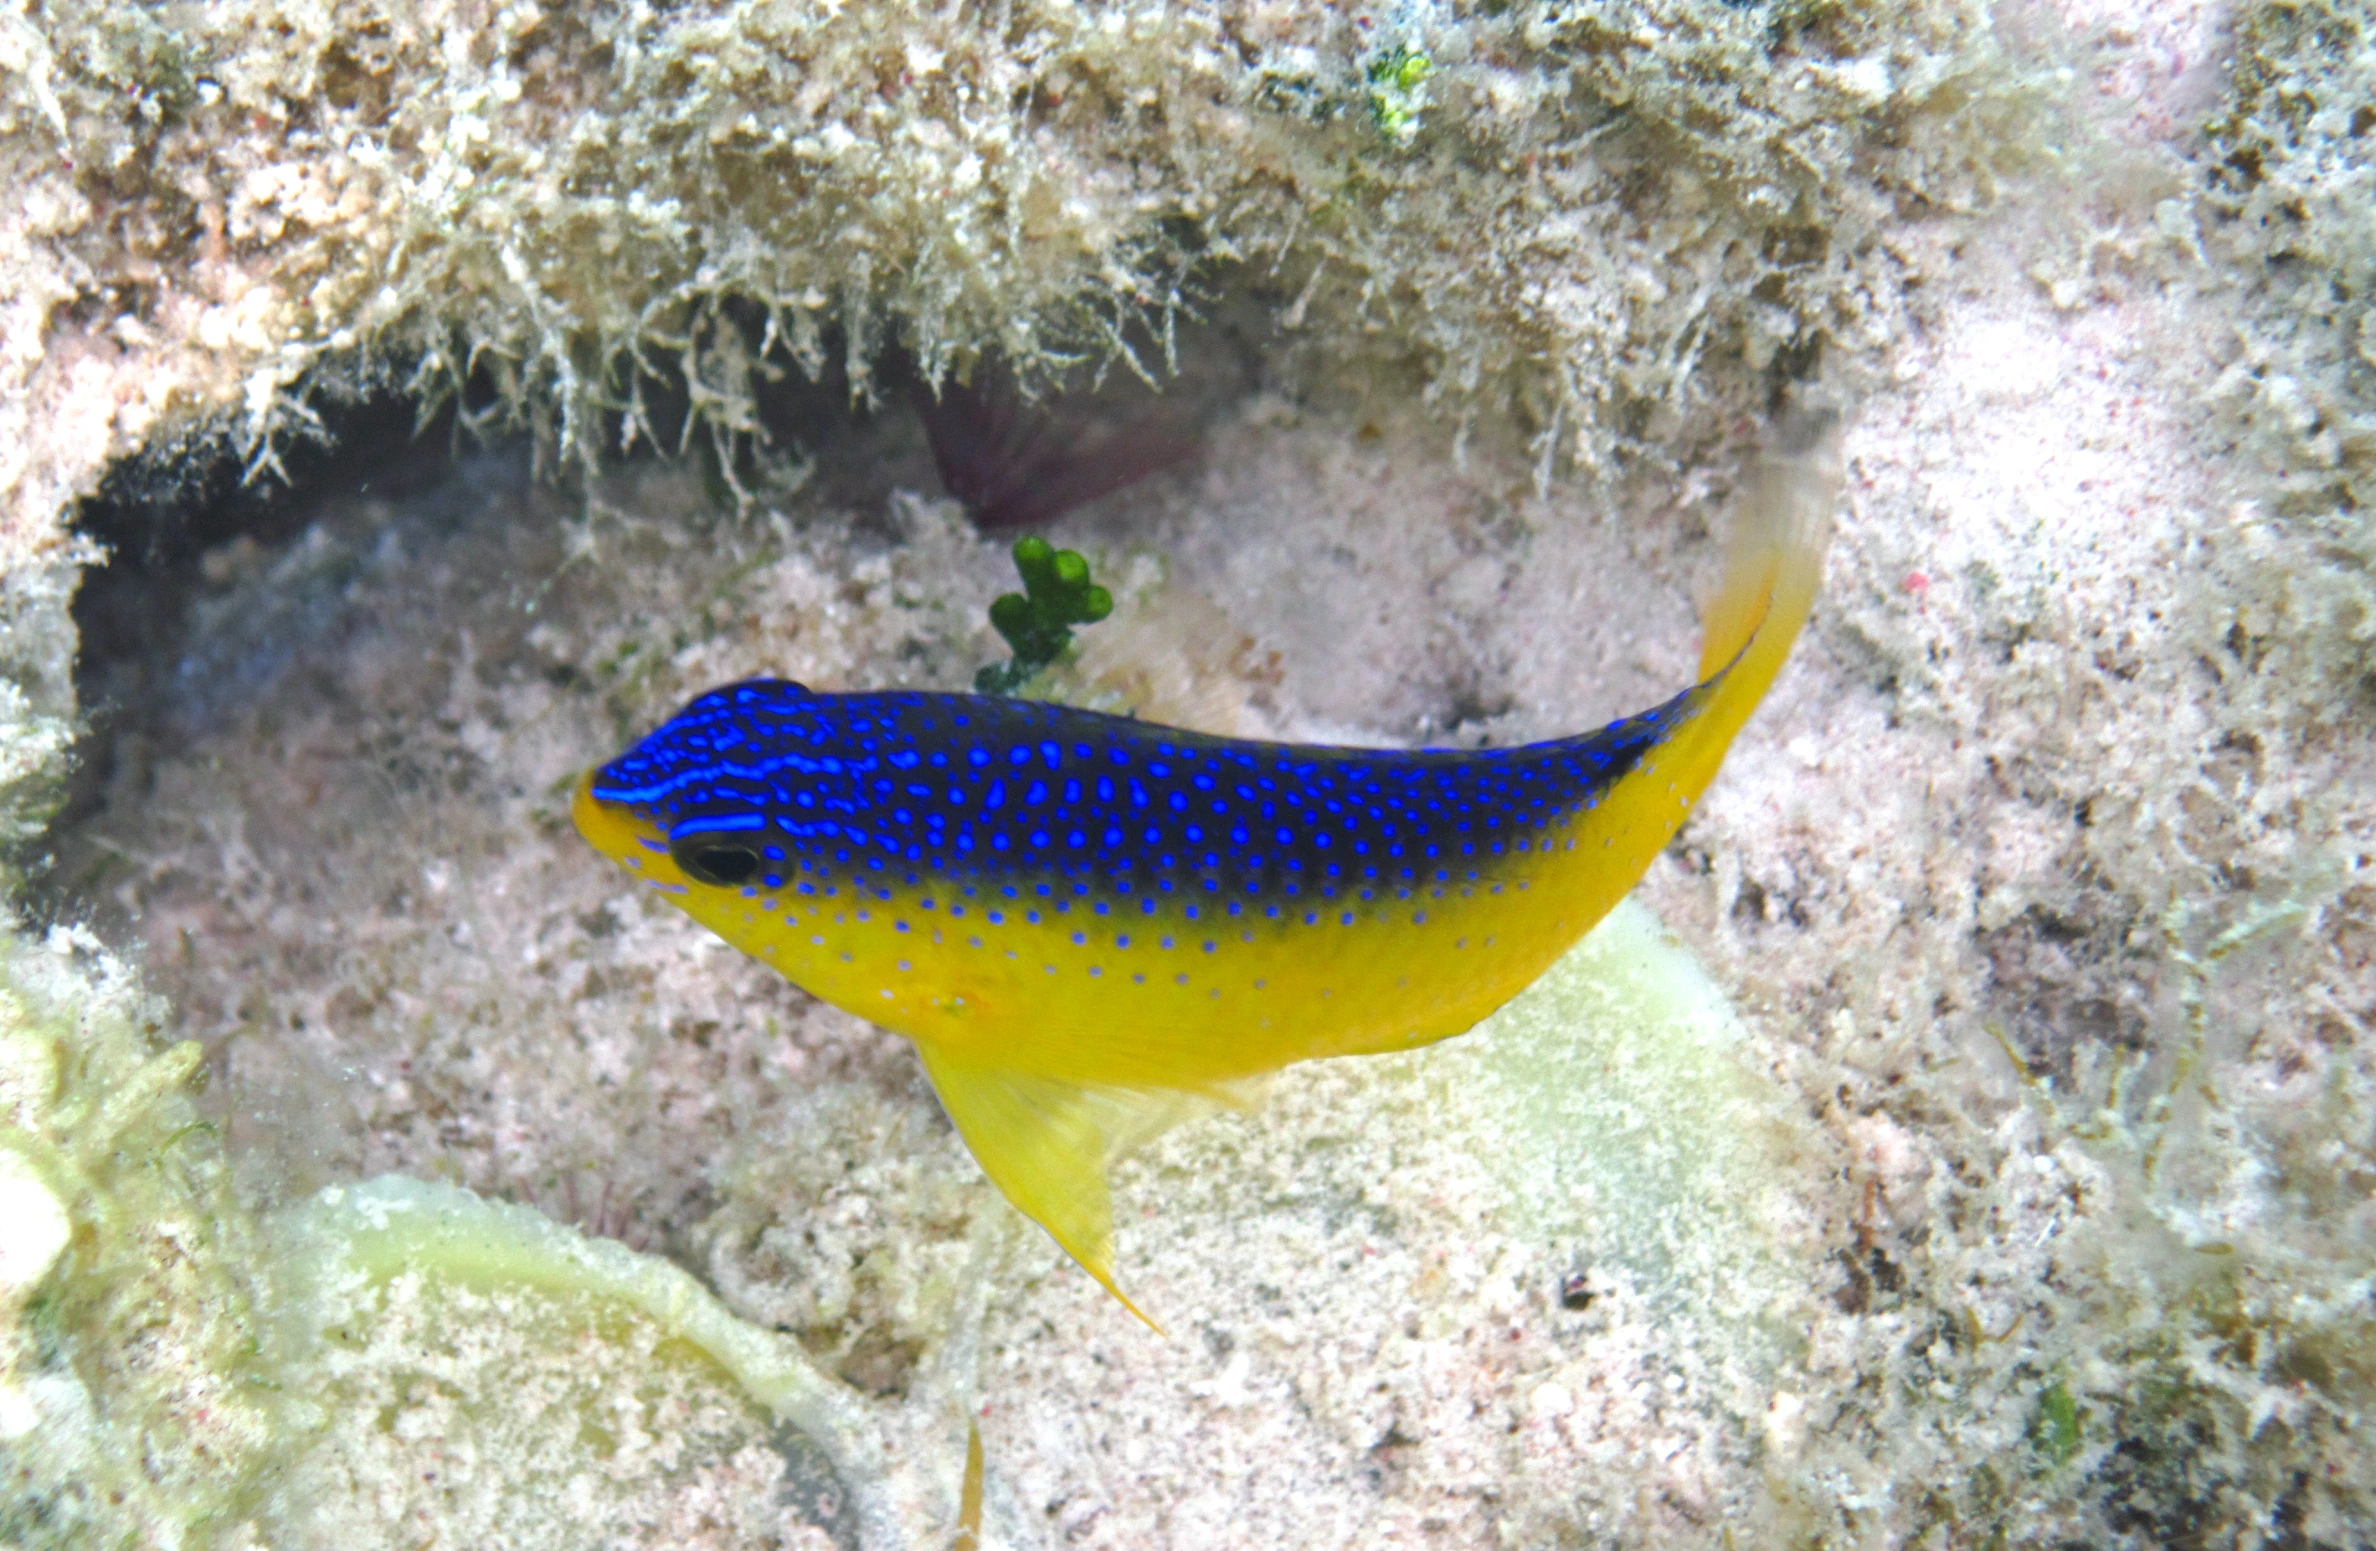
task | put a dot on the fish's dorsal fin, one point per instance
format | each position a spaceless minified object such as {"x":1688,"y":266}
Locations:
{"x":1044,"y":1143}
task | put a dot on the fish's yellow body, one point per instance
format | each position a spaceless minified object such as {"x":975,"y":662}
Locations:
{"x":1080,"y":918}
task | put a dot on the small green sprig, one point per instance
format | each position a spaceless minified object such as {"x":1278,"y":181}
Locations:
{"x":2054,"y":1428}
{"x":1037,"y":622}
{"x":1398,"y":90}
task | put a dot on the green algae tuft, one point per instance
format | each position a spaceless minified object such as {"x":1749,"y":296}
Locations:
{"x":1398,"y":90}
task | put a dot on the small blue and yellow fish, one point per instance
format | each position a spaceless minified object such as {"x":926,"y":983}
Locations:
{"x":1078,"y":918}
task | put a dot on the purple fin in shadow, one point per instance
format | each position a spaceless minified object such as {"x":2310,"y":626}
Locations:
{"x":1016,"y":463}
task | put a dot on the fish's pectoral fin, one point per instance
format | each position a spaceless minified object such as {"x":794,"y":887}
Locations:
{"x":1044,"y":1144}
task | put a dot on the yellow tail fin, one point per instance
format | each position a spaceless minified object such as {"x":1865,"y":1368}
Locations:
{"x":1772,"y":567}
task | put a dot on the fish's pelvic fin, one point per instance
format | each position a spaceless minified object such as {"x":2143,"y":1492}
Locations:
{"x":1044,"y":1143}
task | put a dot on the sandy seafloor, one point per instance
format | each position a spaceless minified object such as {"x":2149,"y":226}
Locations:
{"x":2026,"y":1204}
{"x":347,"y":859}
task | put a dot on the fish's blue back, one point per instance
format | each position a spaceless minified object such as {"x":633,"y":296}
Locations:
{"x":880,"y":788}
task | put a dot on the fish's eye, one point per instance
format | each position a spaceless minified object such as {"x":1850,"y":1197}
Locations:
{"x":719,"y":863}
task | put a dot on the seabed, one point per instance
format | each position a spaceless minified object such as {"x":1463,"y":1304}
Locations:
{"x":1963,"y":1137}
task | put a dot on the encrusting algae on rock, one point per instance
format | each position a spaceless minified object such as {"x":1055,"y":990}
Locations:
{"x":1082,"y":920}
{"x":133,"y":1406}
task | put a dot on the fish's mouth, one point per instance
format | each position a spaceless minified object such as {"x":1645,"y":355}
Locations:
{"x":619,"y":833}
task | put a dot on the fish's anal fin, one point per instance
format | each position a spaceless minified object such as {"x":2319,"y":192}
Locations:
{"x":1044,"y":1143}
